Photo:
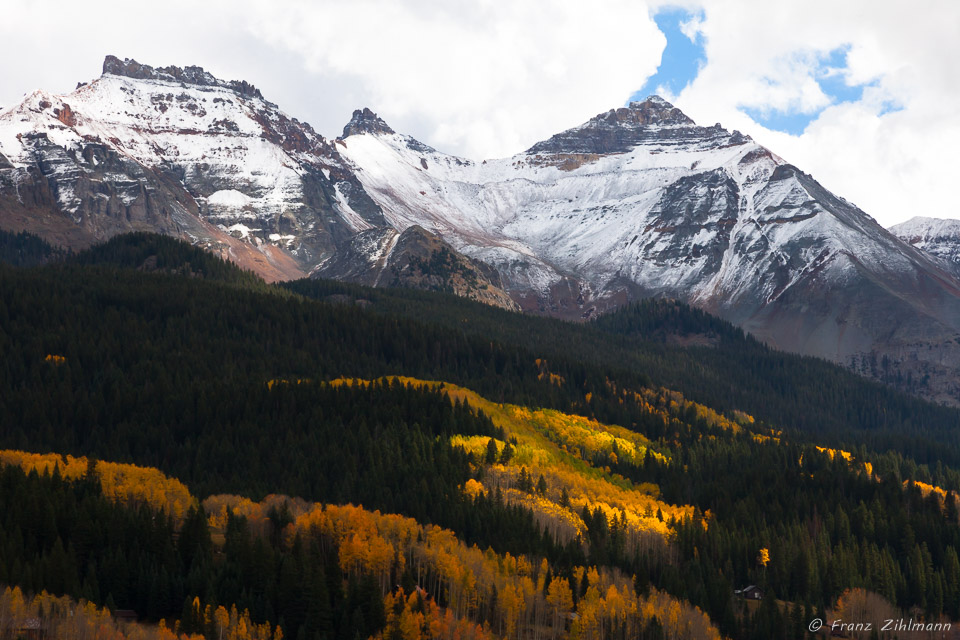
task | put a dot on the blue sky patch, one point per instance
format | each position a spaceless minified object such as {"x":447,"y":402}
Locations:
{"x":829,"y":74}
{"x":889,"y":106}
{"x":681,"y":59}
{"x":792,"y":122}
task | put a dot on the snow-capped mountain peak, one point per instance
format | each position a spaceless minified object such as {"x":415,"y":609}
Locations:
{"x":179,"y":150}
{"x":653,"y":120}
{"x":641,"y":201}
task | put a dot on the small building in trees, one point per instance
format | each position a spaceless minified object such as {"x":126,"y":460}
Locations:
{"x":753,"y":592}
{"x":31,"y":629}
{"x":125,"y":615}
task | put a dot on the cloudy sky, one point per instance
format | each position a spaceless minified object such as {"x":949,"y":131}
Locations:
{"x":863,"y":94}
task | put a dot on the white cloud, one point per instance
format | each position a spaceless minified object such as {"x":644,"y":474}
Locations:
{"x":894,"y":165}
{"x":691,"y":28}
{"x":485,"y":78}
{"x":481,"y":78}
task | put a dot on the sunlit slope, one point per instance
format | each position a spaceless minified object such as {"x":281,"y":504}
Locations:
{"x":571,"y":454}
{"x":511,"y":595}
{"x":126,"y":483}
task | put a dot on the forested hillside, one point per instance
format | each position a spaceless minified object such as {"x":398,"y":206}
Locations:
{"x":631,"y":471}
{"x":666,"y":343}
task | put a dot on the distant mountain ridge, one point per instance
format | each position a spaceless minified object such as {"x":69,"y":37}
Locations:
{"x":636,"y":202}
{"x":936,"y":236}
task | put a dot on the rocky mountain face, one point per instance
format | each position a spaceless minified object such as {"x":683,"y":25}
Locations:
{"x":182,"y":152}
{"x":636,"y":202}
{"x":641,"y":201}
{"x":937,"y":237}
{"x":416,"y":259}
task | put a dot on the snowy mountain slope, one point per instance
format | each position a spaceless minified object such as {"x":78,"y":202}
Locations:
{"x":417,"y":185}
{"x":180,"y":151}
{"x":562,"y":209}
{"x":641,"y":201}
{"x":937,"y":237}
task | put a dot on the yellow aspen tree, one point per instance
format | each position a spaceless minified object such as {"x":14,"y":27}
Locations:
{"x":763,"y":558}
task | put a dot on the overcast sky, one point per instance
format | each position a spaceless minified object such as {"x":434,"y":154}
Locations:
{"x":865,"y":95}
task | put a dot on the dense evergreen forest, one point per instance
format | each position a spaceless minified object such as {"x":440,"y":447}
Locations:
{"x":148,"y":351}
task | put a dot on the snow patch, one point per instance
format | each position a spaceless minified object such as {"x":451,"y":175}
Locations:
{"x":229,"y":198}
{"x":239,"y":230}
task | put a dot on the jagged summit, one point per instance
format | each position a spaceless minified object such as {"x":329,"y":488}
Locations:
{"x":653,"y":99}
{"x":365,"y":121}
{"x":651,"y":121}
{"x":130,"y":68}
{"x":653,"y":110}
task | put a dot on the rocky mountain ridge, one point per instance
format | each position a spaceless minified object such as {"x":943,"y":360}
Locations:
{"x":641,"y":202}
{"x":197,"y":76}
{"x":638,"y":201}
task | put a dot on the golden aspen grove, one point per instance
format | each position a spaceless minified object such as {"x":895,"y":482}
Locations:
{"x":484,"y":594}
